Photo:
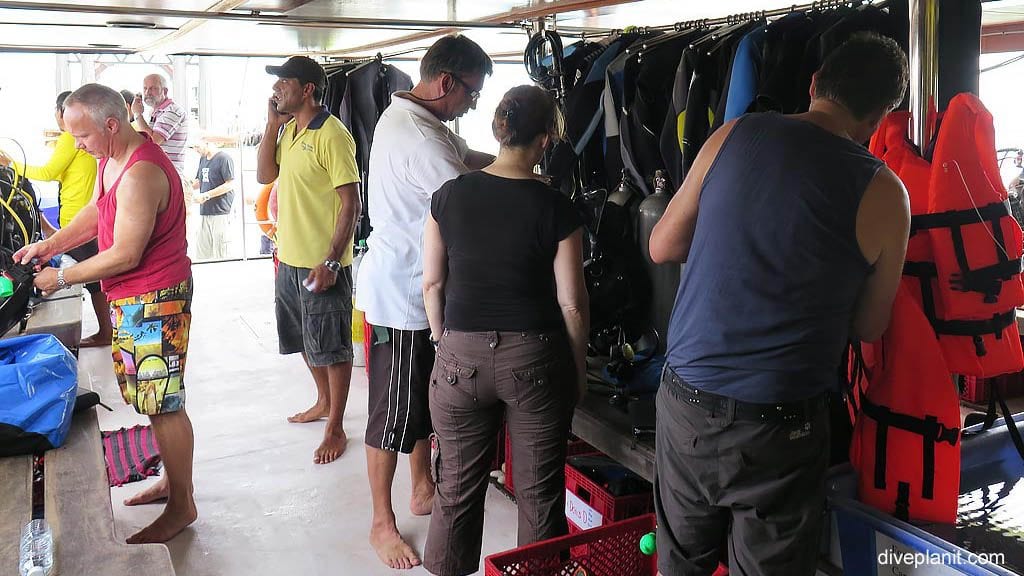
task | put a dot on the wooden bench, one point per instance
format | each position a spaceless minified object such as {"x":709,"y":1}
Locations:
{"x":77,"y":506}
{"x":77,"y":502}
{"x":79,"y":512}
{"x":15,"y":508}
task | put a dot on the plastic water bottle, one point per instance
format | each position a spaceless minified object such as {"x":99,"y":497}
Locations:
{"x":358,"y":331}
{"x":36,"y":557}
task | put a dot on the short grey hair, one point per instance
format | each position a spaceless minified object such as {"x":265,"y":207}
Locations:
{"x":101,"y":102}
{"x":160,"y":77}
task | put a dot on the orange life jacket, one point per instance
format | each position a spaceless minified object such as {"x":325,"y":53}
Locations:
{"x":976,"y":241}
{"x":966,"y":260}
{"x":905,"y":445}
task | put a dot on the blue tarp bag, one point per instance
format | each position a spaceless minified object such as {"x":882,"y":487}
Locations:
{"x":38,"y":384}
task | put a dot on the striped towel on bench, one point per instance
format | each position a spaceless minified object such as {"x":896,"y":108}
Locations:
{"x":131,"y":454}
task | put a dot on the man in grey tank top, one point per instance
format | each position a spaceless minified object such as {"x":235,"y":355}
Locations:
{"x":793,"y":237}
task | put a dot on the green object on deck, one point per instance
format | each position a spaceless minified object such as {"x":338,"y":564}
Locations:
{"x":6,"y":287}
{"x":648,"y":544}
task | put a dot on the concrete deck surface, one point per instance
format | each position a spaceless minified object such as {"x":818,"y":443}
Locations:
{"x":264,"y":507}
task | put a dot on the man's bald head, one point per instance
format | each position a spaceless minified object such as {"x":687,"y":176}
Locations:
{"x":95,"y":115}
{"x":100,"y":103}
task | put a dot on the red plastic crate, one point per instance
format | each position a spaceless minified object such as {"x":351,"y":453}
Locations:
{"x":499,"y":452}
{"x":588,"y":505}
{"x":510,"y":485}
{"x":575,"y":448}
{"x":612,"y":550}
{"x":977,"y":390}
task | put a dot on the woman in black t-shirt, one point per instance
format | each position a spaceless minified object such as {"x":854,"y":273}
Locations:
{"x":504,"y":292}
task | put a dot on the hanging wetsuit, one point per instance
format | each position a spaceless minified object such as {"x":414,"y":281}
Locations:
{"x":746,"y":69}
{"x":646,"y":106}
{"x":672,"y":129}
{"x":612,"y":98}
{"x":583,"y":116}
{"x":712,"y":62}
{"x":835,"y":28}
{"x":365,"y":92}
{"x":784,"y":44}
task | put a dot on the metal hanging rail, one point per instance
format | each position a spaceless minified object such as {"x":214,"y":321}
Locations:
{"x":756,"y":15}
{"x":713,"y":22}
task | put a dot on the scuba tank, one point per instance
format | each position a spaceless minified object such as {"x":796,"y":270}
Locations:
{"x":664,"y":277}
{"x":624,"y":192}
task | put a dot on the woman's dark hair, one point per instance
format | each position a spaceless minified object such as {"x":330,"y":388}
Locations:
{"x":524,"y":113}
{"x":61,"y":98}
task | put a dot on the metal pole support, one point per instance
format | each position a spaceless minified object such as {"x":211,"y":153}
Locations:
{"x":924,"y":67}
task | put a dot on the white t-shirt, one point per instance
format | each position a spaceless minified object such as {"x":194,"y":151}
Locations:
{"x":412,"y":155}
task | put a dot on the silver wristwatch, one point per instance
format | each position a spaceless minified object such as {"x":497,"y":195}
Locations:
{"x":333,"y":265}
{"x":61,"y":283}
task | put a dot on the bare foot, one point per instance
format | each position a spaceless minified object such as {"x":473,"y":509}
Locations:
{"x":391,"y":549}
{"x":167,"y":525}
{"x":422,"y":501}
{"x":331,"y":448}
{"x":155,"y":492}
{"x":95,"y":341}
{"x":315,"y":413}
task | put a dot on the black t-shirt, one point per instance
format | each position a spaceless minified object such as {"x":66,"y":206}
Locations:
{"x":501,"y":235}
{"x":211,"y":174}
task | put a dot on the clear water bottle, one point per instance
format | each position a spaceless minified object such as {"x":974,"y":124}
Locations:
{"x":36,"y":557}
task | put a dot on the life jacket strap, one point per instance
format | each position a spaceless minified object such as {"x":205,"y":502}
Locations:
{"x":956,"y":218}
{"x":988,"y":280}
{"x":929,"y":428}
{"x":975,"y":329}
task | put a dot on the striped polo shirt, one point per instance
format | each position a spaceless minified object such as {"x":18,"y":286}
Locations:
{"x":171,"y":121}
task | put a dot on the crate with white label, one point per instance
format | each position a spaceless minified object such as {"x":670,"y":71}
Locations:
{"x":589,"y":505}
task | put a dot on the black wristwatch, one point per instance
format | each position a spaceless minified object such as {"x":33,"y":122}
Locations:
{"x":433,"y":342}
{"x":333,"y":265}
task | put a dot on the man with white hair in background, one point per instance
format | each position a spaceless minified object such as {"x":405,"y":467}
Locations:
{"x":167,"y":124}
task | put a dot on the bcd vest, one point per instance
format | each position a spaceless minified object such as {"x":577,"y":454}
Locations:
{"x":905,"y":445}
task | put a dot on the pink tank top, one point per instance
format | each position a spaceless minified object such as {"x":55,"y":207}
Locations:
{"x":164,"y":262}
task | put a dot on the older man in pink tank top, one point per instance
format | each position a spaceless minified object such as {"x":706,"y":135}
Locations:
{"x":138,"y":216}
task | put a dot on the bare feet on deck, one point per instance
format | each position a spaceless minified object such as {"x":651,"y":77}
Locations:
{"x":392,"y":550}
{"x":154,"y":493}
{"x":173,"y":520}
{"x":331,"y":448}
{"x":95,"y":341}
{"x":422,"y":501}
{"x":318,"y":411}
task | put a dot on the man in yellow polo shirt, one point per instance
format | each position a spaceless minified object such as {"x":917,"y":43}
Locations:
{"x":312,"y":156}
{"x":75,"y":171}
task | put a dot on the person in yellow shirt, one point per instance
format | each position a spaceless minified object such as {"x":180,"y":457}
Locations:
{"x":314,"y":162}
{"x":75,"y":171}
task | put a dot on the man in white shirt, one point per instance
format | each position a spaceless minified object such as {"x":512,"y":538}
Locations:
{"x":412,"y":155}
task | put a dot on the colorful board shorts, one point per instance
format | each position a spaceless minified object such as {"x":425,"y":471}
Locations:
{"x":149,"y":347}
